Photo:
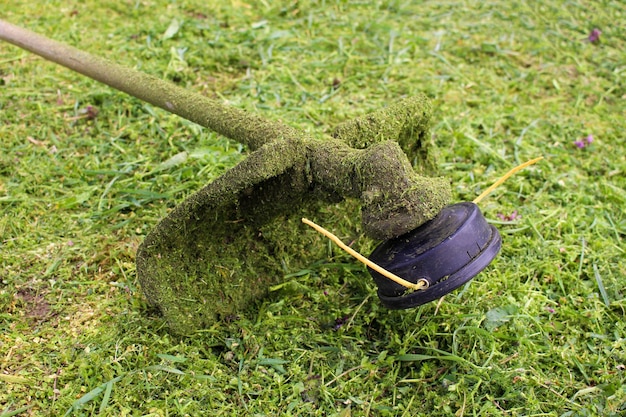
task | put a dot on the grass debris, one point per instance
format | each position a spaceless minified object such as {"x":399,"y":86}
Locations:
{"x":80,"y":189}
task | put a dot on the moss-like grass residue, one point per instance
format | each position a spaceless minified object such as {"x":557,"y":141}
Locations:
{"x":406,"y":122}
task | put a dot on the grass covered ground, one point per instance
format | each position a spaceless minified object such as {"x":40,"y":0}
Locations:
{"x":86,"y":172}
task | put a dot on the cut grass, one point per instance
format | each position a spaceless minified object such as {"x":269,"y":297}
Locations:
{"x":540,"y":332}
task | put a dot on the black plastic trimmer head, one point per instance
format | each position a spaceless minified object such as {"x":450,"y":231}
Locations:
{"x":445,"y":252}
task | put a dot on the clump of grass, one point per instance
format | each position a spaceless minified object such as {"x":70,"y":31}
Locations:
{"x":541,"y":332}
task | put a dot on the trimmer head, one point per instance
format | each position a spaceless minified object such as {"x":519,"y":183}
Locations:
{"x":446,"y":252}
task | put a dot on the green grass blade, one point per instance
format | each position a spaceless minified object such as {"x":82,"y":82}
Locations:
{"x":603,"y":293}
{"x":91,"y":395}
{"x":14,"y":379}
{"x":7,"y":413}
{"x":172,"y":358}
{"x":164,"y":368}
{"x":106,"y":397}
{"x":414,"y":357}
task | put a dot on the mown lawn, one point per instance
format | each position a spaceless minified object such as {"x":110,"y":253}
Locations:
{"x":86,"y":172}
